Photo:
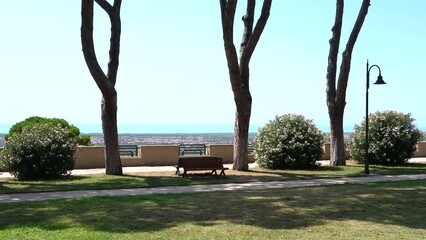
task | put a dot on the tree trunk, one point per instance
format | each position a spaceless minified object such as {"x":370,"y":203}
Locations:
{"x":337,"y":146}
{"x":239,"y":70}
{"x":241,"y":130}
{"x":109,"y":128}
{"x":105,"y":82}
{"x":336,"y":95}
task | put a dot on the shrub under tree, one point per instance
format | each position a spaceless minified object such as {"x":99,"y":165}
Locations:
{"x":392,"y":138}
{"x":288,"y":141}
{"x":39,"y":151}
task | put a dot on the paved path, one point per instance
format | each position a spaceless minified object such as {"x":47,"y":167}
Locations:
{"x":23,"y":197}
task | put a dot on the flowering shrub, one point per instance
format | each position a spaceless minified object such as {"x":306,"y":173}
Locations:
{"x":73,"y":131}
{"x":39,"y":151}
{"x":392,"y":138}
{"x":288,"y":141}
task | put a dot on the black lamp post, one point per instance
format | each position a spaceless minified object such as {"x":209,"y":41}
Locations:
{"x":379,"y":81}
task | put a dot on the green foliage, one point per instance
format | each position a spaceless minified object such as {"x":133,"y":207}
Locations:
{"x":288,"y":141}
{"x":39,"y":151}
{"x":84,"y":140}
{"x":73,"y":131}
{"x":392,"y":138}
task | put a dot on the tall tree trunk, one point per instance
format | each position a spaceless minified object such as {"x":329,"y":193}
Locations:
{"x":241,"y":131}
{"x":336,"y":95}
{"x":109,"y":127}
{"x":337,"y":146}
{"x":105,"y":82}
{"x":239,"y":70}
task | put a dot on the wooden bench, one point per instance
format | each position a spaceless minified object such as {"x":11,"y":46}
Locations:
{"x":200,"y":163}
{"x":191,"y":149}
{"x":128,"y":150}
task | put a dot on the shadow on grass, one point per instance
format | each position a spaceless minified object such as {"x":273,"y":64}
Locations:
{"x":394,"y":203}
{"x":144,"y":180}
{"x":408,"y":168}
{"x":89,"y":183}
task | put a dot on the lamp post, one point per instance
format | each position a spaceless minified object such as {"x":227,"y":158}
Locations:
{"x":379,"y":81}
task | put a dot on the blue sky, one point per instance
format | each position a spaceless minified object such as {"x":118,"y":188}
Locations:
{"x":172,"y":56}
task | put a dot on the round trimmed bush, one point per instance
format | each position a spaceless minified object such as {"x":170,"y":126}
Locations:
{"x":73,"y":131}
{"x":39,"y":151}
{"x":392,"y":138}
{"x":288,"y":141}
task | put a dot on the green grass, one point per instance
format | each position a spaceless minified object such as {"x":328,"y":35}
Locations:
{"x":389,"y":210}
{"x":169,"y":179}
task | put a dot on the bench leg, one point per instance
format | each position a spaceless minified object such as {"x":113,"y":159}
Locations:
{"x":222,"y":172}
{"x":185,"y":175}
{"x":177,"y":171}
{"x":214,"y":171}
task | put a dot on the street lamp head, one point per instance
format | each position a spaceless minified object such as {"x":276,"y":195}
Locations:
{"x":380,"y":80}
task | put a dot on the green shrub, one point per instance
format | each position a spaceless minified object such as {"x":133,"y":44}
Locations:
{"x":73,"y":131}
{"x":39,"y":151}
{"x":392,"y":138}
{"x":84,"y":140}
{"x":288,"y":141}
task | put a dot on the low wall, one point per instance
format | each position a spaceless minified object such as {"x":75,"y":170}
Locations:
{"x":421,"y":150}
{"x":93,"y":157}
{"x":149,"y":155}
{"x":159,"y":155}
{"x":226,"y":152}
{"x":326,"y":152}
{"x":90,"y":157}
{"x":167,"y":155}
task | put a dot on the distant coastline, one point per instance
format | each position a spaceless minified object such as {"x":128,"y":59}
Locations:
{"x":164,"y":138}
{"x":153,"y":128}
{"x":165,"y":128}
{"x":152,"y":134}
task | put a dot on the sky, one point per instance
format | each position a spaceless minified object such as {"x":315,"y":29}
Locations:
{"x":173,"y":70}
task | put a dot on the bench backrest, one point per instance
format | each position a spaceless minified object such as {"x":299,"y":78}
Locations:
{"x":200,"y":162}
{"x":191,"y":149}
{"x":128,"y":150}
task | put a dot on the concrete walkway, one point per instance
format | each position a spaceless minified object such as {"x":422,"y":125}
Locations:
{"x":24,"y":197}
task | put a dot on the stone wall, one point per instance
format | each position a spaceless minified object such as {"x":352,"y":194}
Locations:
{"x":167,"y":155}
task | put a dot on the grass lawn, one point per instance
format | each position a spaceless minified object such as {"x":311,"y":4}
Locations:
{"x":387,"y":210}
{"x":139,"y":180}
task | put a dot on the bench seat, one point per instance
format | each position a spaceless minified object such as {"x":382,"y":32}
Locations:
{"x":200,"y":163}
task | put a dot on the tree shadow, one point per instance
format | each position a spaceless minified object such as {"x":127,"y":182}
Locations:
{"x":16,"y":186}
{"x":143,"y":180}
{"x":393,"y":203}
{"x":407,"y":168}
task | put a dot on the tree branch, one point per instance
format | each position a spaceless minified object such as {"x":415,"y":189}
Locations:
{"x":332,"y":55}
{"x":248,"y":20}
{"x":105,"y":5}
{"x":255,"y":36}
{"x":345,"y":67}
{"x":358,"y":25}
{"x":223,"y":4}
{"x":114,"y":50}
{"x":228,"y":8}
{"x":89,"y":49}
